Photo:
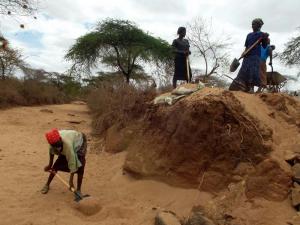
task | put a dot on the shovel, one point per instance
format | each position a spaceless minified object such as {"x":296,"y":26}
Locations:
{"x":78,"y":196}
{"x":235,"y":63}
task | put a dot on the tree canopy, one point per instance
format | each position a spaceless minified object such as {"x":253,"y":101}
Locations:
{"x":10,"y":59}
{"x":119,"y":44}
{"x":291,"y":53}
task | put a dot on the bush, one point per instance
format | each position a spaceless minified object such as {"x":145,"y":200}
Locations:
{"x":15,"y":92}
{"x":117,"y":103}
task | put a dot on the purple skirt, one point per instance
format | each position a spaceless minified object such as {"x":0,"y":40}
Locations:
{"x":249,"y":72}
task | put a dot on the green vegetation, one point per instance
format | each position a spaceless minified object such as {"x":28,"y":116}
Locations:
{"x":119,"y":44}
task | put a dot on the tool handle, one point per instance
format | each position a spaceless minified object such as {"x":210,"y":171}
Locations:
{"x":188,"y":69}
{"x":63,"y":181}
{"x":250,"y":48}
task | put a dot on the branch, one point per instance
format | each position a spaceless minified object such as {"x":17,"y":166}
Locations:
{"x":119,"y":62}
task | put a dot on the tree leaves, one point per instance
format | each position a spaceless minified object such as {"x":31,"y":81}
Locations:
{"x":119,"y":44}
{"x":291,"y":53}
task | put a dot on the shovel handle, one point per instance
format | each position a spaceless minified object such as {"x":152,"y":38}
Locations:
{"x":250,"y":48}
{"x":63,"y":181}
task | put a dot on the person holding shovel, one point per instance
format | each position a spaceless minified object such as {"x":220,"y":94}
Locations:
{"x":181,"y":48}
{"x":266,"y":51}
{"x":249,"y":72}
{"x":71,"y":147}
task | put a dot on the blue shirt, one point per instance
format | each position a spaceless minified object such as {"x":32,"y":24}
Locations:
{"x":250,"y":40}
{"x":264,"y":52}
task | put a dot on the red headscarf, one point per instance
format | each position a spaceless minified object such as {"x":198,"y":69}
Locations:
{"x":53,"y":136}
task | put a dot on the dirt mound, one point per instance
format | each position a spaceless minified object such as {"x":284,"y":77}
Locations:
{"x":202,"y":140}
{"x":285,"y":106}
{"x":269,"y":181}
{"x":88,"y":206}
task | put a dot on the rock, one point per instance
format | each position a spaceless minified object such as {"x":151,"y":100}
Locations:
{"x":75,"y":122}
{"x":46,"y":110}
{"x":296,"y":172}
{"x":79,"y":103}
{"x":166,"y":218}
{"x":69,"y":114}
{"x":198,"y":218}
{"x":295,"y":196}
{"x":269,"y":181}
{"x":272,"y":115}
{"x":237,"y":178}
{"x":117,"y":140}
{"x":244,"y":168}
{"x":291,"y":157}
{"x":295,"y":221}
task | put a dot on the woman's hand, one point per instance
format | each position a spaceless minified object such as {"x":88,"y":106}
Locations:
{"x":47,"y":168}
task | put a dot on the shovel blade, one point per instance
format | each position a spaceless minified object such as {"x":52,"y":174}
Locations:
{"x":78,"y":198}
{"x":234,"y":65}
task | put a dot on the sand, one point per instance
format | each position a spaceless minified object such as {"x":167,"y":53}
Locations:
{"x":123,"y":200}
{"x":24,"y":153}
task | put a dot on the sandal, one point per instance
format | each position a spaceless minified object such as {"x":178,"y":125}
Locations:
{"x":45,"y":189}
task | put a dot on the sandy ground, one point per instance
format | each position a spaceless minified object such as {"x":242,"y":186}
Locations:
{"x":124,"y":200}
{"x":24,"y":153}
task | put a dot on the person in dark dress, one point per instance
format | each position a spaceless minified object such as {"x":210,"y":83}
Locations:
{"x":248,"y":75}
{"x":181,"y":48}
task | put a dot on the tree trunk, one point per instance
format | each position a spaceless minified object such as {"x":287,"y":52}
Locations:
{"x":127,"y":78}
{"x":2,"y":69}
{"x":205,"y":66}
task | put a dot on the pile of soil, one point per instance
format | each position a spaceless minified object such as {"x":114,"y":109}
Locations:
{"x":211,"y":139}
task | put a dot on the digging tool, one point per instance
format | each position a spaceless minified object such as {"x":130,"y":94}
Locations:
{"x":78,"y":197}
{"x":188,"y":69}
{"x":235,"y":63}
{"x":236,"y":82}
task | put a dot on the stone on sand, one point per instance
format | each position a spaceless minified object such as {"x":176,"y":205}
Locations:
{"x":296,"y":196}
{"x":166,"y":218}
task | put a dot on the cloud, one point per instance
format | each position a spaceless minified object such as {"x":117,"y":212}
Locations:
{"x":161,"y":6}
{"x":46,"y":40}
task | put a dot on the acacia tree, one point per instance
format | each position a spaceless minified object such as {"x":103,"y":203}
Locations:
{"x":10,"y":59}
{"x":291,"y":54}
{"x":119,"y":44}
{"x":212,"y":48}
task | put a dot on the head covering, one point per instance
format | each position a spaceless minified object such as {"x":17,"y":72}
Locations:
{"x":53,"y":136}
{"x":181,"y":29}
{"x":258,"y":21}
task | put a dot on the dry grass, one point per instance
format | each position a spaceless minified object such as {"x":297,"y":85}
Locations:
{"x":14,"y":92}
{"x":117,"y":103}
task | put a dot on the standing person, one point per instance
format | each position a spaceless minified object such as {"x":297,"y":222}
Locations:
{"x":266,"y":51}
{"x":70,"y":146}
{"x":249,"y":72}
{"x":182,"y":51}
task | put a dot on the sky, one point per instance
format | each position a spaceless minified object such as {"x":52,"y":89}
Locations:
{"x":45,"y":41}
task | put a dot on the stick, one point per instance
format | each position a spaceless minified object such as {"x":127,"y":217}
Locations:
{"x":187,"y":69}
{"x":63,"y":181}
{"x":249,"y":49}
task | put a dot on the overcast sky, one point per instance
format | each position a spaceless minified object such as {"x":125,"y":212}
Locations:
{"x":45,"y":41}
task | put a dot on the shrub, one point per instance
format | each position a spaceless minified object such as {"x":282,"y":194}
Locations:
{"x":29,"y":92}
{"x":117,"y":103}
